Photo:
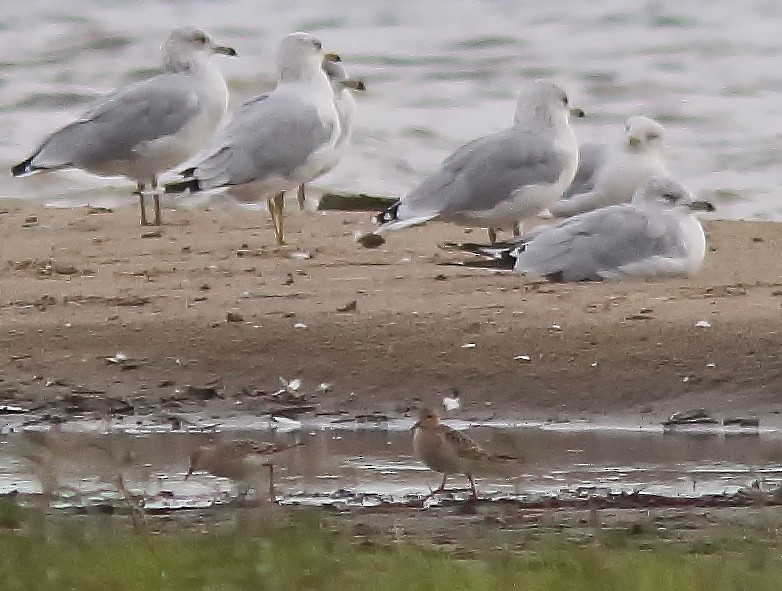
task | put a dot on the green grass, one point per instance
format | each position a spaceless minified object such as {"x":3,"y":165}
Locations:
{"x":305,"y":556}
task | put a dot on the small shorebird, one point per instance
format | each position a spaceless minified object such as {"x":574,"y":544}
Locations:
{"x":234,"y":460}
{"x":448,"y":451}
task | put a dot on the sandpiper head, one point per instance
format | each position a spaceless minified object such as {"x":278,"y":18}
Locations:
{"x":299,"y":55}
{"x":428,"y":418}
{"x":643,"y":135}
{"x":667,"y":193}
{"x":543,"y":101}
{"x":187,"y":45}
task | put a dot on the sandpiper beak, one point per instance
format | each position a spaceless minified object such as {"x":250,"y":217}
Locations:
{"x":415,"y":426}
{"x":577,"y":112}
{"x":701,"y":206}
{"x":223,"y":50}
{"x":354,"y":84}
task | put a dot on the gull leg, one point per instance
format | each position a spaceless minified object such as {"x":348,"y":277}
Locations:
{"x":156,"y":202}
{"x":279,"y":204}
{"x":300,"y":195}
{"x":140,"y":193}
{"x":492,"y":235}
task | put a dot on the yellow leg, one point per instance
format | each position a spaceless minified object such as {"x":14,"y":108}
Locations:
{"x":302,"y":197}
{"x":141,"y":205}
{"x":278,"y":203}
{"x":156,"y":203}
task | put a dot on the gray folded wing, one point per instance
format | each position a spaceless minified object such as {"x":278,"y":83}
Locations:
{"x":590,"y":159}
{"x":486,"y":172}
{"x":593,"y":245}
{"x":117,"y":125}
{"x":268,"y":135}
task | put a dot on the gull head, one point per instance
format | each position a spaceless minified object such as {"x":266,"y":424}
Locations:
{"x":644,"y":135}
{"x":428,"y":418}
{"x":299,"y":55}
{"x":338,"y":77}
{"x":666,"y":193}
{"x":544,"y":102}
{"x":186,"y":47}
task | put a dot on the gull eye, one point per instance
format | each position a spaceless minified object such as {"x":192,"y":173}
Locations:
{"x":200,"y":38}
{"x":652,"y":135}
{"x":565,"y":100}
{"x":318,"y":45}
{"x":672,"y":197}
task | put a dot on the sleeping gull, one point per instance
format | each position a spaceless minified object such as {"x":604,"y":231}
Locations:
{"x":341,"y":84}
{"x":609,"y":175}
{"x":502,"y":177}
{"x":274,"y":142}
{"x":654,"y":235}
{"x":147,"y":127}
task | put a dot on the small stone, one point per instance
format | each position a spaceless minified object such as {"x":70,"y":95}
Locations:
{"x":234,"y":317}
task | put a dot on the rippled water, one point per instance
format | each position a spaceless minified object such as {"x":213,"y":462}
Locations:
{"x":371,"y":463}
{"x":439,"y":72}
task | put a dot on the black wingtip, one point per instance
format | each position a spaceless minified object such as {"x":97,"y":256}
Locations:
{"x":182,"y":186}
{"x":388,"y":215}
{"x":23,"y":168}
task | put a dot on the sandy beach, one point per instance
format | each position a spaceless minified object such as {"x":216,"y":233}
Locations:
{"x":210,"y":301}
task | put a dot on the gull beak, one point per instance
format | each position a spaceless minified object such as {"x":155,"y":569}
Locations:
{"x":332,"y":57}
{"x":223,"y":50}
{"x":354,"y":84}
{"x":415,"y":426}
{"x":701,"y":206}
{"x":577,"y":112}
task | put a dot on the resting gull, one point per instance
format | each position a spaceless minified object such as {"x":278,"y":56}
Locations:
{"x":147,"y":127}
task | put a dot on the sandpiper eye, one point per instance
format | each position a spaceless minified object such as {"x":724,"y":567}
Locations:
{"x":652,"y":135}
{"x":565,"y":100}
{"x":318,"y":45}
{"x":200,"y":38}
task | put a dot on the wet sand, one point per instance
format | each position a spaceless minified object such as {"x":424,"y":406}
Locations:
{"x":77,"y":287}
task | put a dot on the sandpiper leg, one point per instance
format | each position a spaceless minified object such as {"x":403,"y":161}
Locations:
{"x":492,"y":236}
{"x":516,"y":230}
{"x":156,"y":202}
{"x":300,"y":195}
{"x":140,"y":194}
{"x":472,"y":486}
{"x":270,"y":466}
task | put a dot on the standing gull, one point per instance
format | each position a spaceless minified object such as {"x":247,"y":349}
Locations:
{"x":274,"y":142}
{"x":610,"y":175}
{"x":655,"y":235}
{"x":448,"y":451}
{"x":500,"y":178}
{"x":147,"y":127}
{"x":341,"y":85}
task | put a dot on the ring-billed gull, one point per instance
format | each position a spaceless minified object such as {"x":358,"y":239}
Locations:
{"x":500,"y":178}
{"x":609,"y":175}
{"x":341,"y":84}
{"x":274,"y":142}
{"x":148,"y":127}
{"x":448,"y":451}
{"x":654,"y":235}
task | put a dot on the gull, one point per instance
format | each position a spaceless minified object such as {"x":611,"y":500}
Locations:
{"x":655,"y":235}
{"x":497,"y":179}
{"x":147,"y":127}
{"x":610,"y":175}
{"x":448,"y":451}
{"x":274,"y":142}
{"x":341,"y":85}
{"x":234,"y":460}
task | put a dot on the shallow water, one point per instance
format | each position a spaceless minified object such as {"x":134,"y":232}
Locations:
{"x":361,"y":463}
{"x":439,"y":73}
